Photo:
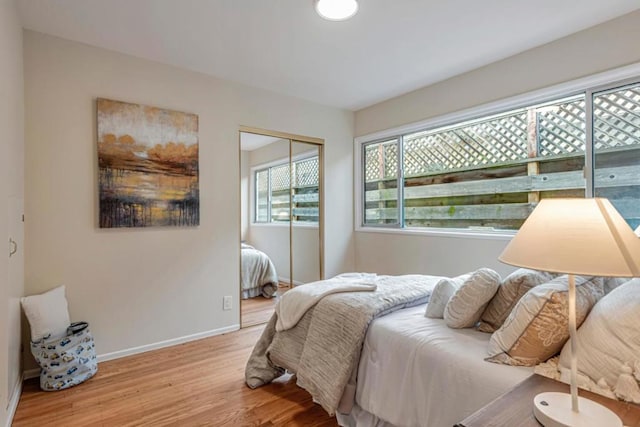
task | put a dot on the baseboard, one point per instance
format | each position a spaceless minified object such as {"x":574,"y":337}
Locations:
{"x":167,"y":343}
{"x":34,"y":373}
{"x":13,"y":404}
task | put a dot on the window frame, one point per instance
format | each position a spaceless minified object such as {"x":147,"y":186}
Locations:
{"x":586,"y":86}
{"x":253,"y":171}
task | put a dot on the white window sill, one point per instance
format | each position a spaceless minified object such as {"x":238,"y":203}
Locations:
{"x":284,"y":224}
{"x":454,"y":233}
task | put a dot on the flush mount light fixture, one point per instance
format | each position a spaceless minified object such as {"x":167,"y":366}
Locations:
{"x":336,"y":10}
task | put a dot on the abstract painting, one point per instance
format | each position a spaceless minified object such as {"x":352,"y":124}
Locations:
{"x":148,"y":166}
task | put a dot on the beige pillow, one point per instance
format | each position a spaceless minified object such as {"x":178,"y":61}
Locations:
{"x":469,"y":301}
{"x":610,"y":283}
{"x":537,"y":328}
{"x":442,"y":293}
{"x":509,"y":293}
{"x":609,"y":337}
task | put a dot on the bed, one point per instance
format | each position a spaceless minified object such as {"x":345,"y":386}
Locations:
{"x":416,"y":371}
{"x":390,"y":366}
{"x":258,"y":274}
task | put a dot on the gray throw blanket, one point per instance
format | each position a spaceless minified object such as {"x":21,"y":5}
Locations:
{"x":323,"y":349}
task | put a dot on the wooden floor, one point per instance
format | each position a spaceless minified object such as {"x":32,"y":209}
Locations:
{"x":200,"y":383}
{"x":258,"y":310}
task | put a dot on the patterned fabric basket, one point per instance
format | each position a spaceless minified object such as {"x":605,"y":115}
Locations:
{"x":66,"y":361}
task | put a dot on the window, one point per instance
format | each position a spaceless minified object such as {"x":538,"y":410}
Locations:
{"x":616,"y":143}
{"x":274,"y":190}
{"x":490,"y":172}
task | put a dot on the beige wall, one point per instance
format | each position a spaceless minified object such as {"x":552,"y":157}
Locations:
{"x":606,"y":46}
{"x":11,"y":195}
{"x":138,"y":287}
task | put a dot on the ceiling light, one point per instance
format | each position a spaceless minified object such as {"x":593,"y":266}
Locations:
{"x":336,"y":10}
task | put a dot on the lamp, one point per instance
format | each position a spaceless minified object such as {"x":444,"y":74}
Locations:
{"x":575,"y":236}
{"x":336,"y":10}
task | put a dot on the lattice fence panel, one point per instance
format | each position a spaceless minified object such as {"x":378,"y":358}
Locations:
{"x":381,"y":161}
{"x":306,"y":172}
{"x":561,"y":128}
{"x":280,"y":177}
{"x":617,"y":119}
{"x":262,"y":189}
{"x":498,"y":140}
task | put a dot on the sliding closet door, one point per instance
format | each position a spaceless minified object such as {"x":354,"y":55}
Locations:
{"x":306,"y":212}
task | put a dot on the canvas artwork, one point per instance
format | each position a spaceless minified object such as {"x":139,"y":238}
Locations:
{"x":148,"y":166}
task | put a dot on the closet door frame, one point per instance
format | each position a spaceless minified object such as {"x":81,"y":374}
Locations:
{"x":319,"y":143}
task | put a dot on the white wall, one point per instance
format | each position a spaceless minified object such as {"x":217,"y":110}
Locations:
{"x":137,"y":287}
{"x":606,"y":46}
{"x":11,"y":195}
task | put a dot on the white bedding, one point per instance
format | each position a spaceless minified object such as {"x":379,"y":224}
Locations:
{"x":258,"y":274}
{"x":416,"y":371}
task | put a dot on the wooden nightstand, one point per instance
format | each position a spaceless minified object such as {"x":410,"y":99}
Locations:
{"x":515,"y":407}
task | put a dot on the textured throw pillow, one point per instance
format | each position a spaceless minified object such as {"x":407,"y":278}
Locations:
{"x":538,"y":326}
{"x":609,"y":337}
{"x":512,"y":288}
{"x":47,"y":313}
{"x":442,"y":293}
{"x":610,"y":283}
{"x":469,"y":301}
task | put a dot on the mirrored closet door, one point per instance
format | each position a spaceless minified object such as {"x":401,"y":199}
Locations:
{"x":281,"y":218}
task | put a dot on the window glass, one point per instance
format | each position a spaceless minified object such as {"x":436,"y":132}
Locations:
{"x":280,"y":193}
{"x":490,"y":172}
{"x":262,"y":195}
{"x":616,"y":139}
{"x":274,"y":190}
{"x":381,"y":183}
{"x":305,"y":190}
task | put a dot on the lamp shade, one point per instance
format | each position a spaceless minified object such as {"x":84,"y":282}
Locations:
{"x":577,"y":236}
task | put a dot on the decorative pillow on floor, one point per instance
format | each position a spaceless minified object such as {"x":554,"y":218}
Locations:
{"x":469,"y":301}
{"x":442,"y":293}
{"x":609,"y":337}
{"x":47,"y":313}
{"x":512,"y":288}
{"x":537,"y":328}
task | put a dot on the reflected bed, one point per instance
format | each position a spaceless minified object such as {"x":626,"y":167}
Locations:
{"x":258,"y":274}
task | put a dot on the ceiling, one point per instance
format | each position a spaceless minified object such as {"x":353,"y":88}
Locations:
{"x":389,"y":48}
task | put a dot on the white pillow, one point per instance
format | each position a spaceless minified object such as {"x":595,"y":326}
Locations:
{"x":609,"y":336}
{"x":442,"y":293}
{"x":48,"y":313}
{"x":469,"y":301}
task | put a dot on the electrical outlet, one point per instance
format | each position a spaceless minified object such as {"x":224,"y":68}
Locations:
{"x":227,"y":302}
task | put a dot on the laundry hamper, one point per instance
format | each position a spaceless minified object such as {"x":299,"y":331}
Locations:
{"x":67,"y":361}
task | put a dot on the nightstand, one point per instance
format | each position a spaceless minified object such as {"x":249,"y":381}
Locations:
{"x":515,"y":407}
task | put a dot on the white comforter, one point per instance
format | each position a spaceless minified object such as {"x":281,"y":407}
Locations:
{"x":416,"y":371}
{"x":258,"y":274}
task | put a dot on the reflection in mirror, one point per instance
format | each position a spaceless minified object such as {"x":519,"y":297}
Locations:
{"x":264,"y":261}
{"x":305,"y":193}
{"x":281,"y":197}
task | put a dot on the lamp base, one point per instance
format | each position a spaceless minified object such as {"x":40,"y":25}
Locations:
{"x":553,"y":409}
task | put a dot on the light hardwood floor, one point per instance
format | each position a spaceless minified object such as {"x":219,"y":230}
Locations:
{"x":258,"y":310}
{"x":200,"y":383}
